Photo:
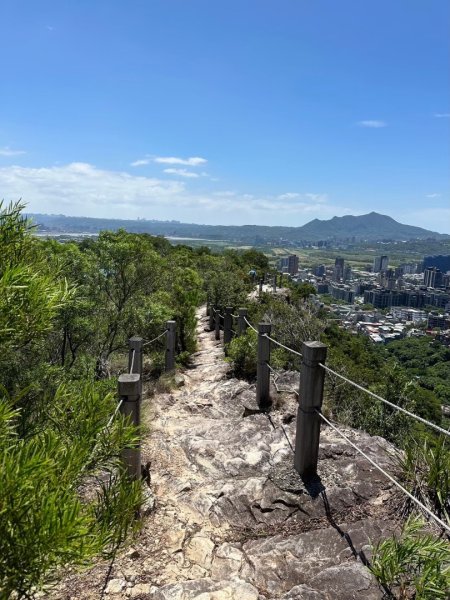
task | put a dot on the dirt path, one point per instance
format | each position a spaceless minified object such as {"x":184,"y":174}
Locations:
{"x":232,"y":519}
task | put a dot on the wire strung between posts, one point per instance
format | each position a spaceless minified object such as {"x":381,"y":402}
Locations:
{"x":391,"y":404}
{"x":156,"y":338}
{"x":282,"y":345}
{"x":394,"y":481}
{"x":119,"y":404}
{"x":132,"y":361}
{"x":221,"y":316}
{"x":250,"y":325}
{"x":235,"y":316}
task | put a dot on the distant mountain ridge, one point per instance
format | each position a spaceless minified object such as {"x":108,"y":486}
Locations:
{"x":370,"y":227}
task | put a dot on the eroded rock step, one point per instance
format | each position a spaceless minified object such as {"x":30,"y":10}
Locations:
{"x":232,"y":518}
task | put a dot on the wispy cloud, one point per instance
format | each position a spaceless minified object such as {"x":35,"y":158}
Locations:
{"x":442,"y":115}
{"x":193,"y":161}
{"x":181,"y":173}
{"x":141,"y":162}
{"x":84,"y":189}
{"x":433,"y":195}
{"x":288,"y":196}
{"x":7,"y":151}
{"x":374,"y":124}
{"x":298,"y":197}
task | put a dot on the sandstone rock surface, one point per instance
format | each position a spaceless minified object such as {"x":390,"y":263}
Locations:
{"x":232,"y":519}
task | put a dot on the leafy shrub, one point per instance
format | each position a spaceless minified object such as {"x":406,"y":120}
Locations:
{"x":46,"y":523}
{"x":242,"y":351}
{"x":414,"y":565}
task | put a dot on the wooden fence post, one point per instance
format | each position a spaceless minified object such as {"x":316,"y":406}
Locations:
{"x":241,"y":324}
{"x":170,"y":344}
{"x":274,"y":283}
{"x":217,"y":323}
{"x":135,"y":358}
{"x":308,"y":420}
{"x":228,"y":325}
{"x":129,"y":393}
{"x":261,"y":281}
{"x":281,"y":279}
{"x":262,"y":370}
{"x":211,"y":318}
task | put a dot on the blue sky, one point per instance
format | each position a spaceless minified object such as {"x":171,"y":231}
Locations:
{"x":245,"y":111}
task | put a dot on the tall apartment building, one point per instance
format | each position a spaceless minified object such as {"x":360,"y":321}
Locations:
{"x":432,"y":277}
{"x":289,"y":264}
{"x":338,"y":273}
{"x":380,"y":263}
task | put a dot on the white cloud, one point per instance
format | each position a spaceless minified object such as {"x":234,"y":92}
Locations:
{"x":193,"y":161}
{"x":442,"y":115}
{"x":296,"y":196}
{"x":85,"y":190}
{"x":181,"y":173}
{"x":140,"y":162}
{"x":82,"y":189}
{"x":7,"y":151}
{"x":288,"y":196}
{"x":433,"y":195}
{"x":372,"y":124}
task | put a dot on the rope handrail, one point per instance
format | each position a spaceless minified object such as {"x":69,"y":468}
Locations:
{"x":235,"y":316}
{"x":282,"y":345}
{"x":132,"y":360}
{"x":392,"y":479}
{"x":250,"y":325}
{"x":391,"y":404}
{"x":221,"y":316}
{"x":156,"y":338}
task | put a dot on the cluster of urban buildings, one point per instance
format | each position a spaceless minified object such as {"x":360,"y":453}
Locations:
{"x":409,"y":294}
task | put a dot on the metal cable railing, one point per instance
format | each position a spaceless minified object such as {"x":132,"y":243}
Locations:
{"x":391,"y":404}
{"x":282,"y":345}
{"x":386,"y":474}
{"x":156,"y":338}
{"x":133,"y":354}
{"x":363,"y":389}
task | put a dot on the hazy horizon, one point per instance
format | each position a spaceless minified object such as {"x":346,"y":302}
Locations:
{"x":208,"y":224}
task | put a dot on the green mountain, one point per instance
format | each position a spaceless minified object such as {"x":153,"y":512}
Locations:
{"x":370,"y":227}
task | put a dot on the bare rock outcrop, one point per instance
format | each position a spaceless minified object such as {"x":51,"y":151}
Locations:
{"x":232,"y":518}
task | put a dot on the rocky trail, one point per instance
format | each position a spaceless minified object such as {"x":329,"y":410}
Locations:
{"x":231,"y":518}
